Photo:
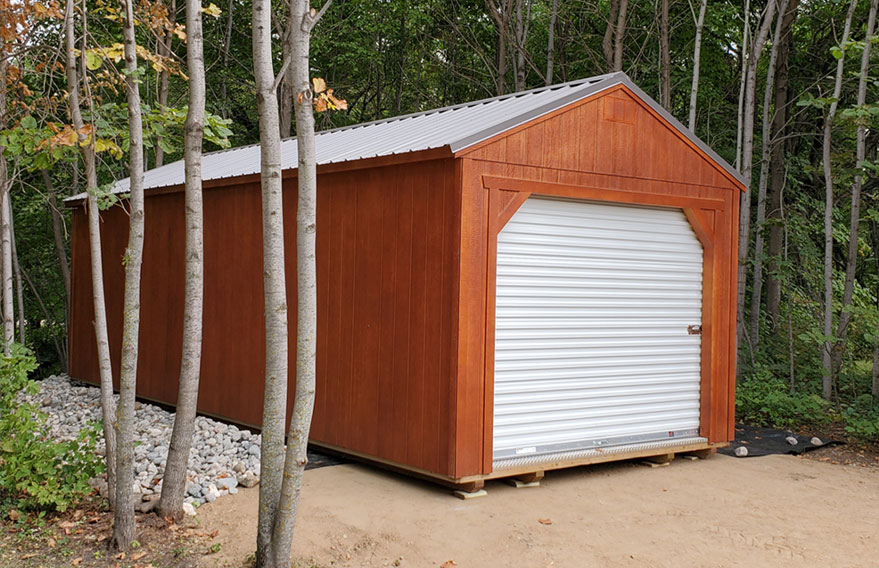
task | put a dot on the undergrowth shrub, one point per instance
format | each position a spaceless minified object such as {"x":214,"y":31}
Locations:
{"x":37,"y":472}
{"x":862,"y":419}
{"x":763,"y":400}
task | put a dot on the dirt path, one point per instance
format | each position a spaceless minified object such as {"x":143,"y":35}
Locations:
{"x":721,"y":512}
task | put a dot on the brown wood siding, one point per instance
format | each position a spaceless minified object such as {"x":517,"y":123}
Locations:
{"x":387,"y":256}
{"x":234,"y":344}
{"x":387,"y":287}
{"x":610,"y":147}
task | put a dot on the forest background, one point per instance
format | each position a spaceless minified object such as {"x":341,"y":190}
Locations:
{"x":800,"y":129}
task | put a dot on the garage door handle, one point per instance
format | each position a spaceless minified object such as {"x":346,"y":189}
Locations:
{"x":694,"y":329}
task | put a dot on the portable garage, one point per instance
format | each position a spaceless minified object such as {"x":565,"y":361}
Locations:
{"x":528,"y":282}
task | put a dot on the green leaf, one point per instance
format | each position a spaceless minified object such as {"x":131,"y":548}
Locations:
{"x":28,"y":122}
{"x":93,"y":61}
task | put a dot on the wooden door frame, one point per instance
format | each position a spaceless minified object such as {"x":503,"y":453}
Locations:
{"x":507,"y":195}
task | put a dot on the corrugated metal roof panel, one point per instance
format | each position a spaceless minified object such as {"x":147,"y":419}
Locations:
{"x":455,"y":127}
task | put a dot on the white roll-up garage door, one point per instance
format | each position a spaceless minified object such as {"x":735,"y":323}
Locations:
{"x":592,"y":346}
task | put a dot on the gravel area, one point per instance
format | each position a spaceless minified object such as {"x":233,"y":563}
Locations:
{"x":223,"y":457}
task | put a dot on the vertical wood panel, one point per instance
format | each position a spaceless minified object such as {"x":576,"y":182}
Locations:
{"x":387,"y":247}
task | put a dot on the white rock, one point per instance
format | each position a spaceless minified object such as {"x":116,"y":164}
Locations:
{"x":741,"y":451}
{"x":816,"y":441}
{"x":188,"y":509}
{"x":791,"y":440}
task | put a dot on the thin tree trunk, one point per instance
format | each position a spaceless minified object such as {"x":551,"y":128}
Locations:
{"x":226,"y":44}
{"x":550,"y":47}
{"x":776,"y":161}
{"x":500,"y":13}
{"x":164,"y":77}
{"x":792,"y":377}
{"x":607,"y":40}
{"x":854,"y":224}
{"x":5,"y":238}
{"x":697,"y":55}
{"x":619,"y":36}
{"x":876,"y":370}
{"x":57,"y":230}
{"x":403,"y":51}
{"x":108,"y":404}
{"x":16,"y":269}
{"x":665,"y":57}
{"x":757,"y":277}
{"x":275,"y":287}
{"x":287,"y":87}
{"x":826,"y":355}
{"x":746,"y":35}
{"x":123,"y":527}
{"x":875,"y":389}
{"x":306,"y":338}
{"x":747,"y":163}
{"x":523,"y":21}
{"x":59,"y":348}
{"x":174,"y":481}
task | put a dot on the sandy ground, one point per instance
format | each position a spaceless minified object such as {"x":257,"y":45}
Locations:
{"x":772,"y":511}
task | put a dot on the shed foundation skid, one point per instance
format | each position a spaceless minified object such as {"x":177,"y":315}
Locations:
{"x":536,"y":281}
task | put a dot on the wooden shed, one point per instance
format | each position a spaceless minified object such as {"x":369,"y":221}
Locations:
{"x":528,"y":282}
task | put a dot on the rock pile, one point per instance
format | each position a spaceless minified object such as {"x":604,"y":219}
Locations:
{"x":223,"y":457}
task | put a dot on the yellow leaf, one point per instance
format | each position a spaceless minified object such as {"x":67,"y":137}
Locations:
{"x":319,"y":85}
{"x":212,"y":10}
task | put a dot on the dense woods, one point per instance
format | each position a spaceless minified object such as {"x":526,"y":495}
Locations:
{"x":787,"y":90}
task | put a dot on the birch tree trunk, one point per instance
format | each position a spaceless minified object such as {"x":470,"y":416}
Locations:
{"x":174,"y":481}
{"x":697,"y":55}
{"x":550,"y":47}
{"x":747,"y":161}
{"x":826,"y":355}
{"x":776,"y":162}
{"x":857,"y":184}
{"x":306,"y":338}
{"x":757,"y":276}
{"x":16,"y":270}
{"x":5,"y":238}
{"x":123,"y":527}
{"x":57,"y":231}
{"x":108,"y":404}
{"x":275,"y":286}
{"x":6,"y":228}
{"x":665,"y":57}
{"x":619,"y":36}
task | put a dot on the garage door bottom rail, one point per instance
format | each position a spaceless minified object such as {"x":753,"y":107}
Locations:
{"x":505,"y":467}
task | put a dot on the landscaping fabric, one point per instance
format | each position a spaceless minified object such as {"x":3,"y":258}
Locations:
{"x":768,"y":441}
{"x":316,"y":459}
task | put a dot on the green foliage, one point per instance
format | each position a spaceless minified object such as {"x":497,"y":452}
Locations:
{"x":36,"y":472}
{"x":861,"y":418}
{"x":763,"y":400}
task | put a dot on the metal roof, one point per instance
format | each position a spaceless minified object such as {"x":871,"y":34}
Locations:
{"x":456,"y":127}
